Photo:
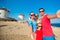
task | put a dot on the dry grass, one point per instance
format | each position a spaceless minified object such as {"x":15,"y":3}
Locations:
{"x":19,"y":31}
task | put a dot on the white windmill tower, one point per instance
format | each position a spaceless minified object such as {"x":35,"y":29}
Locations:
{"x":21,"y":17}
{"x":4,"y":13}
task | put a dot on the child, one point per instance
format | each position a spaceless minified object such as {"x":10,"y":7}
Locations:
{"x":38,"y":32}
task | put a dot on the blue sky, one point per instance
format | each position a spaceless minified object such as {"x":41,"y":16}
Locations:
{"x":17,"y":7}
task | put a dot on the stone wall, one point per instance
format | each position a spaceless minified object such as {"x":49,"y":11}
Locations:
{"x":19,"y":31}
{"x":14,"y":31}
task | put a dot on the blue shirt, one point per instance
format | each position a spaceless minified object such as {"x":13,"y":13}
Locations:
{"x":33,"y":24}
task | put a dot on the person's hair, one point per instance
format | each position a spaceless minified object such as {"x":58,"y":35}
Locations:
{"x":42,"y":8}
{"x":36,"y":14}
{"x":31,"y":12}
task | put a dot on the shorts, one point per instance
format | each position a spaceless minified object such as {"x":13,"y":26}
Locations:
{"x":49,"y":37}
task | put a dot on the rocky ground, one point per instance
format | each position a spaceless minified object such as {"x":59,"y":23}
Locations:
{"x":19,"y":31}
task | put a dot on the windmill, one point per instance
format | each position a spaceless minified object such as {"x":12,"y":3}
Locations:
{"x":4,"y":13}
{"x":21,"y":17}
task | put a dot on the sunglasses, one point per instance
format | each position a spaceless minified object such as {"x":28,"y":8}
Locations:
{"x":41,"y":11}
{"x":32,"y":15}
{"x":39,"y":26}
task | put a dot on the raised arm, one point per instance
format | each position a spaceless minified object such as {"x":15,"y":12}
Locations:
{"x":52,"y":16}
{"x":57,"y":15}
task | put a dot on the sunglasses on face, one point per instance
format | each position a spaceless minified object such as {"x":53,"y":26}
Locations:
{"x":32,"y":15}
{"x":39,"y":26}
{"x":41,"y":11}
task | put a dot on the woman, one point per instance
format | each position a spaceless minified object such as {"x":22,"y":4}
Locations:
{"x":32,"y":25}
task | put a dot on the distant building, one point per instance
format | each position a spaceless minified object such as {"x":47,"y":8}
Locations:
{"x":4,"y":13}
{"x":21,"y":17}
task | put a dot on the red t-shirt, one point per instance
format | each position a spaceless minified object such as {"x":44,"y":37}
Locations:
{"x":38,"y":34}
{"x":46,"y":26}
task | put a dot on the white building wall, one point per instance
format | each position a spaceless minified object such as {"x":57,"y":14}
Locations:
{"x":21,"y":17}
{"x":6,"y":14}
{"x":3,"y":14}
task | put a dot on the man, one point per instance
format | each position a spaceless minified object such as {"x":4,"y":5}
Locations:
{"x":46,"y":26}
{"x":37,"y":18}
{"x":32,"y":24}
